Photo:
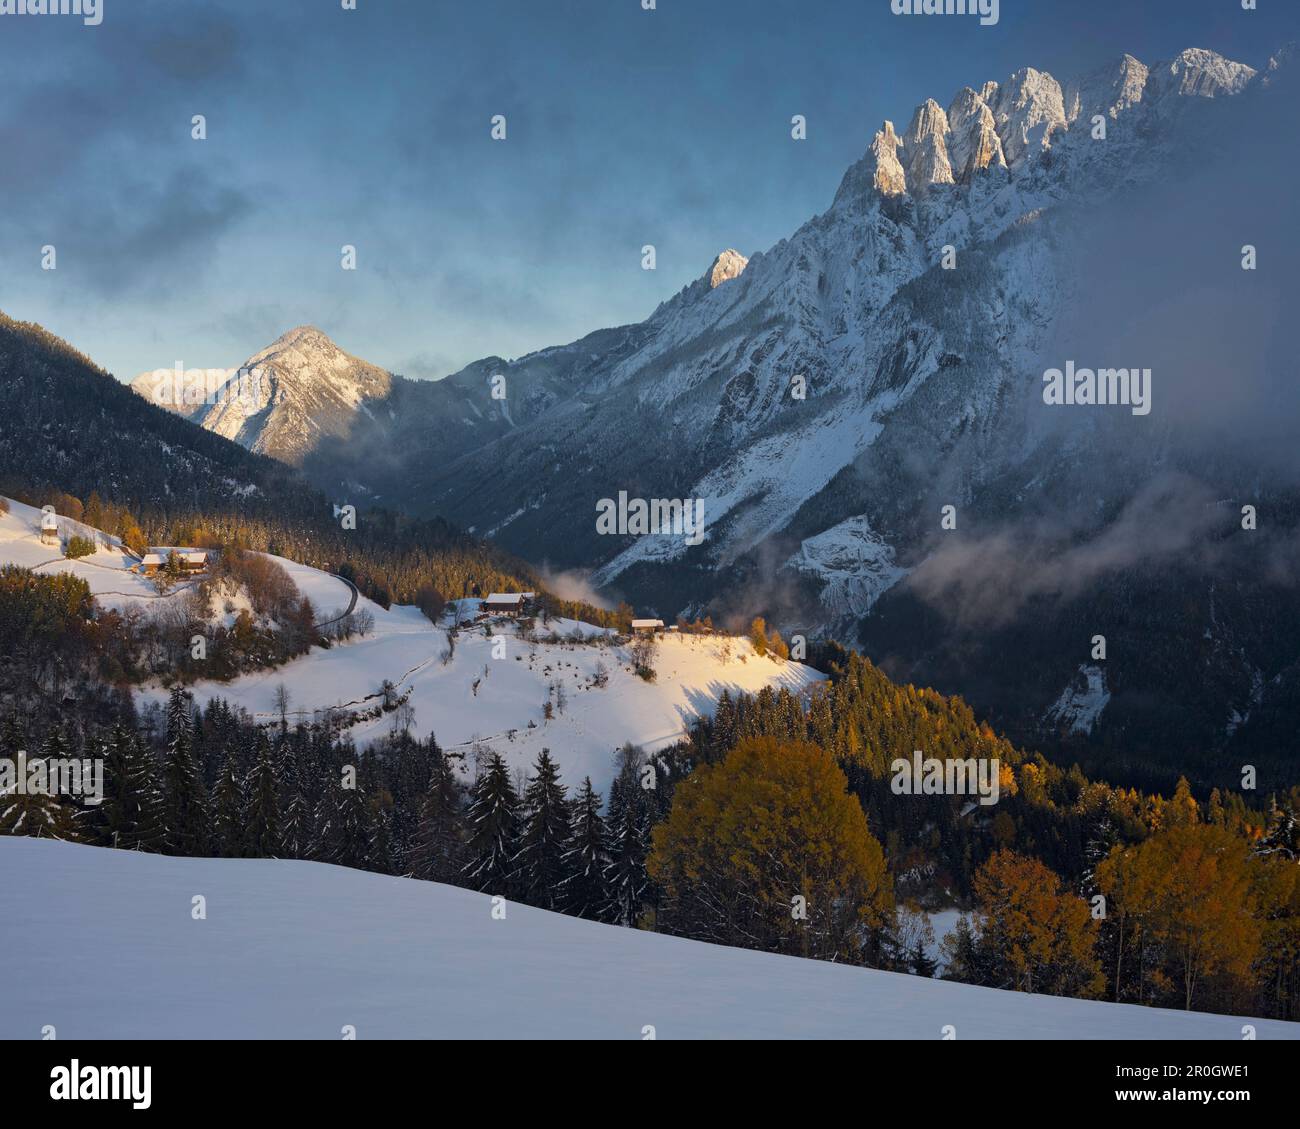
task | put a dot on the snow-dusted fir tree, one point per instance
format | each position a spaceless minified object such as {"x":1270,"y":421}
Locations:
{"x":262,"y":805}
{"x":493,"y":821}
{"x":438,"y":852}
{"x":31,"y":812}
{"x":348,"y":837}
{"x":296,"y":829}
{"x":379,"y":858}
{"x":586,"y":890}
{"x":320,"y":829}
{"x":539,"y":865}
{"x":227,"y":835}
{"x":36,"y":814}
{"x":130,"y":818}
{"x":1282,"y":838}
{"x":628,"y":847}
{"x":185,"y":812}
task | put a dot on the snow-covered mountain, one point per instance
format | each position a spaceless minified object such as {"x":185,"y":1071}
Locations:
{"x":898,"y":354}
{"x":901,"y":358}
{"x":433,"y":961}
{"x":280,"y":402}
{"x":826,"y":398}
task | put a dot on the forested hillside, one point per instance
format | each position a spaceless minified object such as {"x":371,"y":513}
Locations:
{"x":719,"y":837}
{"x":73,"y":437}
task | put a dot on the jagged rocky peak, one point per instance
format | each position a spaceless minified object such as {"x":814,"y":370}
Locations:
{"x":1109,"y":90}
{"x":1004,"y":124}
{"x":925,"y":147}
{"x":730,"y":264}
{"x":1199,"y":73}
{"x":929,"y":121}
{"x":1284,"y":57}
{"x":973,"y":142}
{"x":1029,"y":109}
{"x":888,"y":178}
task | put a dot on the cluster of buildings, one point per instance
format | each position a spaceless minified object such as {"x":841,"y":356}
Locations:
{"x":515,"y":604}
{"x":191,"y":562}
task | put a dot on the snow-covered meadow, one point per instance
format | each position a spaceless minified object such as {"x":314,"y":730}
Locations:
{"x":108,"y":570}
{"x":491,"y":689}
{"x":110,"y":948}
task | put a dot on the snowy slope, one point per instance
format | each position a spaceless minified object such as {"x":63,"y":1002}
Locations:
{"x":299,"y":950}
{"x":107,"y":570}
{"x":514,"y":678}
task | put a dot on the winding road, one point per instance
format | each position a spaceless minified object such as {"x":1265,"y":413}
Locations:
{"x":352,"y":603}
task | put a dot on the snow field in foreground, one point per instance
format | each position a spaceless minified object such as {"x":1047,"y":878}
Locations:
{"x":109,"y":949}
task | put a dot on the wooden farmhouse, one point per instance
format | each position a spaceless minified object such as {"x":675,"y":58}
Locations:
{"x":190,"y":562}
{"x":504,"y":603}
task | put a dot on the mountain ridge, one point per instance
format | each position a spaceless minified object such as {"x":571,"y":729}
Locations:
{"x":916,"y":314}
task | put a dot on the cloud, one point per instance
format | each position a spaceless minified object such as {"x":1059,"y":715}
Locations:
{"x":1158,"y":283}
{"x":426,"y":366}
{"x":574,"y":584}
{"x":208,"y":46}
{"x":988,"y":580}
{"x":154,"y":236}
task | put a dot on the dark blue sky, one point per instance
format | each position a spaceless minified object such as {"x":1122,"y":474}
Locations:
{"x":371,"y":127}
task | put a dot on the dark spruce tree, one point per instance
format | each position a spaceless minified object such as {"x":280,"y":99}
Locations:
{"x":227,"y":835}
{"x":294,"y":833}
{"x":348,"y":840}
{"x":130,"y":818}
{"x":628,"y":846}
{"x":185,"y":814}
{"x":493,"y":830}
{"x":586,"y":890}
{"x":380,"y":856}
{"x":544,"y":841}
{"x":262,"y":805}
{"x":439,"y":850}
{"x":34,"y":813}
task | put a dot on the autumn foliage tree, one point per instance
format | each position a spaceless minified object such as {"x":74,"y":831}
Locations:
{"x":1277,"y":884}
{"x":1190,"y":909}
{"x":1030,"y":933}
{"x":768,"y":849}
